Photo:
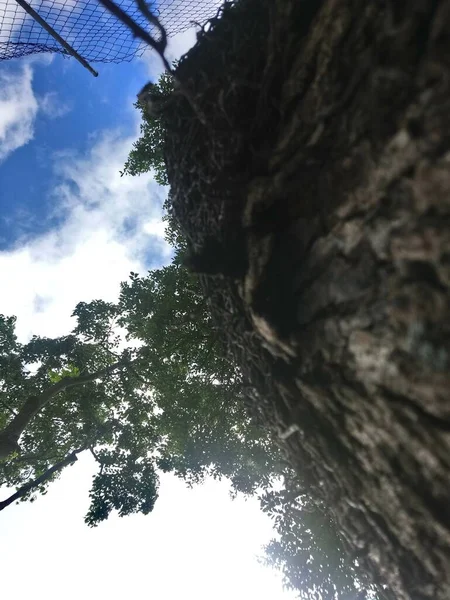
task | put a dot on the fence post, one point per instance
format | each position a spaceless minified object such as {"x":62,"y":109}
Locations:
{"x":57,"y":37}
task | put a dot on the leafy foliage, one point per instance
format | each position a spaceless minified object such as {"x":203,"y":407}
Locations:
{"x":147,"y":152}
{"x":308,"y":550}
{"x":125,"y":483}
{"x":173,"y":402}
{"x":91,"y":415}
{"x":197,"y":391}
{"x":70,"y":371}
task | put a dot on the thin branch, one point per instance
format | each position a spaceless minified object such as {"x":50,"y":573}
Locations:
{"x":108,"y":350}
{"x":158,"y":45}
{"x":31,"y":458}
{"x":129,"y":365}
{"x":91,"y":450}
{"x":10,"y":435}
{"x":97,"y":459}
{"x":22,"y":491}
{"x":138,"y":31}
{"x":11,"y":410}
{"x":153,"y":19}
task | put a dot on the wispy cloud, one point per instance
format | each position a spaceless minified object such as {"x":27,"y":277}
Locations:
{"x":19,"y":105}
{"x":53,"y":106}
{"x":18,"y":109}
{"x":107,"y":226}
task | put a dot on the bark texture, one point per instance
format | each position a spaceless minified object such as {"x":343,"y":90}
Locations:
{"x":331,"y":255}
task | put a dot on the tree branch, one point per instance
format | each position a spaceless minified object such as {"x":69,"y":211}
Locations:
{"x":10,"y":435}
{"x":129,"y":366}
{"x":138,"y":32}
{"x":158,"y":45}
{"x":12,"y":411}
{"x":22,"y":491}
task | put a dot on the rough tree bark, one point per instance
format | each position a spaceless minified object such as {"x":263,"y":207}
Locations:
{"x":345,"y":271}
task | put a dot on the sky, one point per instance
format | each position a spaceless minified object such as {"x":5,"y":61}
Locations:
{"x":71,"y":229}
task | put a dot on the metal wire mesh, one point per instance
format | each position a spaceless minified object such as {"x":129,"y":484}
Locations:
{"x":89,"y":28}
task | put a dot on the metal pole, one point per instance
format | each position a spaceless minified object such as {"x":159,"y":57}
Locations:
{"x":57,"y":37}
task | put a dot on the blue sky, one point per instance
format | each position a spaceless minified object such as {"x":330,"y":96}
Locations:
{"x":72,"y":108}
{"x":64,"y":137}
{"x":72,"y":229}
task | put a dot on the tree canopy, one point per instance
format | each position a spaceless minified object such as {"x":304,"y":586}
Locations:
{"x":164,"y":398}
{"x":63,"y":396}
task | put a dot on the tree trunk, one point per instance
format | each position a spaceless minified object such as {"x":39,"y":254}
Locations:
{"x":344,"y":233}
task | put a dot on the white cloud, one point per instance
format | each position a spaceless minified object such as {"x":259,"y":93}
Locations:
{"x":108,"y":226}
{"x":177,"y":46}
{"x":179,"y":14}
{"x":53,"y":106}
{"x":18,"y":109}
{"x":197,"y":543}
{"x":19,"y":106}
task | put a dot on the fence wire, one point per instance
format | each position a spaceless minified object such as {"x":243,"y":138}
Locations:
{"x":89,"y":28}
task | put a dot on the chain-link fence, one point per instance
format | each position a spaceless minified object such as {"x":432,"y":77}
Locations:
{"x":89,"y":28}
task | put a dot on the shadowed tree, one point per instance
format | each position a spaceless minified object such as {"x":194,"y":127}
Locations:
{"x":323,"y":178}
{"x":147,"y":153}
{"x":170,"y":401}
